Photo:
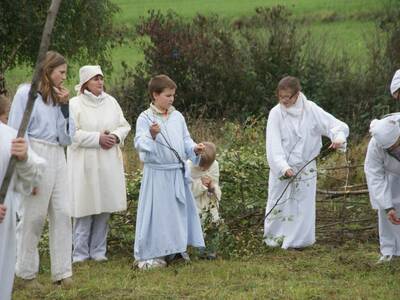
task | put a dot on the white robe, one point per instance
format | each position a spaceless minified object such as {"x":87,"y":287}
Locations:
{"x":293,"y":139}
{"x":204,"y":200}
{"x":383,"y":178}
{"x":96,"y":175}
{"x":25,"y":177}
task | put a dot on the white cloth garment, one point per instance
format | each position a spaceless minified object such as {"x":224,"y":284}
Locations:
{"x":96,"y":175}
{"x":204,"y":200}
{"x":395,"y":84}
{"x":389,"y":234}
{"x":385,"y":131}
{"x":26,"y":175}
{"x":383,"y":178}
{"x":90,"y":237}
{"x":293,"y":139}
{"x":52,"y":200}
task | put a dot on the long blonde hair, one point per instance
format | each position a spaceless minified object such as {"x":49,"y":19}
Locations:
{"x":53,"y":60}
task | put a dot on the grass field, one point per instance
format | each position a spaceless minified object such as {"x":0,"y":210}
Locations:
{"x":342,"y":25}
{"x":319,"y":9}
{"x":322,"y":272}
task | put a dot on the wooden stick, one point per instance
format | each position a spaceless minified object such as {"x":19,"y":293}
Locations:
{"x":44,"y":46}
{"x":341,"y":193}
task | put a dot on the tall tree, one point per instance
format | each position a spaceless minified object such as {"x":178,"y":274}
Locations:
{"x":84,"y":31}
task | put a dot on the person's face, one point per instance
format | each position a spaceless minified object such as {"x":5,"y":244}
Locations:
{"x":204,"y":166}
{"x":287,"y":97}
{"x":96,"y":85}
{"x":58,"y":75}
{"x":395,"y":145}
{"x":164,"y":100}
{"x":396,"y":95}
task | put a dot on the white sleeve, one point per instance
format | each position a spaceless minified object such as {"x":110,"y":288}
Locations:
{"x":275,"y":154}
{"x":29,"y":173}
{"x":378,"y":183}
{"x":123,"y":127}
{"x":82,"y":138}
{"x":329,"y":126}
{"x":143,"y":141}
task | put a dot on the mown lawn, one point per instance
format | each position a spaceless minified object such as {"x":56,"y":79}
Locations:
{"x":322,"y":272}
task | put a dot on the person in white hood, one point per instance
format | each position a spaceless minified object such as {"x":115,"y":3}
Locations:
{"x":294,"y":130}
{"x":95,"y":164}
{"x":395,"y":85}
{"x":382,"y":169}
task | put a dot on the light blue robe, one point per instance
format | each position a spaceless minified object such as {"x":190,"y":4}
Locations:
{"x":47,"y":121}
{"x":167,"y":220}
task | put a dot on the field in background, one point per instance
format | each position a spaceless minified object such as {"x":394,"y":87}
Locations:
{"x":341,"y":25}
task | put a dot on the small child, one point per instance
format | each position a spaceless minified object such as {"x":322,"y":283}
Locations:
{"x":5,"y":105}
{"x":167,"y":220}
{"x":206,"y":190}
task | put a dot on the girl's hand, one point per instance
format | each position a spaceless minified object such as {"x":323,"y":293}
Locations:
{"x":62,"y":93}
{"x":19,"y":149}
{"x":337,"y":143}
{"x":199,"y":148}
{"x":154,"y":130}
{"x":289,"y":173}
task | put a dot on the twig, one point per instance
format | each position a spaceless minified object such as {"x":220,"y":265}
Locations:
{"x":342,"y":193}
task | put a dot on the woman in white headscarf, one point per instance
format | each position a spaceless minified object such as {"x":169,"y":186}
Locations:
{"x":294,"y":130}
{"x":95,"y":165}
{"x":382,"y":169}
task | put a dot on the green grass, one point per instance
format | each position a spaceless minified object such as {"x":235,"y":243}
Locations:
{"x":132,"y":10}
{"x":322,"y":272}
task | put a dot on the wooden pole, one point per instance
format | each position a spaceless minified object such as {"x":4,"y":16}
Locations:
{"x":44,"y":46}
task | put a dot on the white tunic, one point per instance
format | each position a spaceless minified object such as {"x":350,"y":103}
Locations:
{"x":204,"y":200}
{"x":383,"y":178}
{"x":26,"y":175}
{"x":293,"y":139}
{"x":96,"y":175}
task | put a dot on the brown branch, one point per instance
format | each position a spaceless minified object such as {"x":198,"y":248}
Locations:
{"x":341,"y":167}
{"x":44,"y":46}
{"x":7,"y":62}
{"x":341,"y":193}
{"x":345,"y":222}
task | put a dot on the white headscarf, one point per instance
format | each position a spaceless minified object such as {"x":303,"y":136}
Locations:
{"x":386,"y":132}
{"x":395,"y":85}
{"x":85,"y":74}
